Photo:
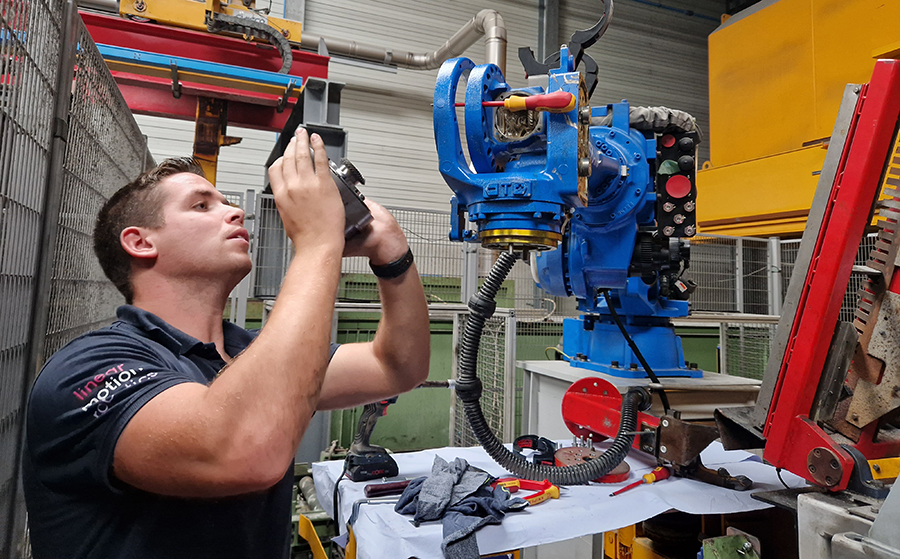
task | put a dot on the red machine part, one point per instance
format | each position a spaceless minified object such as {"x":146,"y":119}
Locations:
{"x":577,"y":455}
{"x":793,"y":441}
{"x":592,"y":408}
{"x":153,"y":96}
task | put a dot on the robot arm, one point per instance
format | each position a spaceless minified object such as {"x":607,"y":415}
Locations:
{"x":599,"y":204}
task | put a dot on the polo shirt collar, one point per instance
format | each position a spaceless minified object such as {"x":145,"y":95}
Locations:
{"x":173,"y":339}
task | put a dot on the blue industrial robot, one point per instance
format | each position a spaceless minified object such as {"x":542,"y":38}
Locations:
{"x":601,"y":200}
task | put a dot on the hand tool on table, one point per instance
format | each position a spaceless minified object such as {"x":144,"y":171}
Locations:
{"x":382,"y":489}
{"x":545,"y":489}
{"x":366,"y":461}
{"x":543,"y":448}
{"x":658,"y":474}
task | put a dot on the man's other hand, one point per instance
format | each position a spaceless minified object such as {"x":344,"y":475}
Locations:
{"x":382,"y":242}
{"x":307,"y":198}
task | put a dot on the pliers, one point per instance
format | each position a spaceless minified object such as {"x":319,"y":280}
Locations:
{"x":545,"y":489}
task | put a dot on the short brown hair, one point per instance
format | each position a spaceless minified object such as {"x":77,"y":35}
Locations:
{"x":137,"y":204}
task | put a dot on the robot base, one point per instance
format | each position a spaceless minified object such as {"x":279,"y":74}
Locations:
{"x":595,"y":343}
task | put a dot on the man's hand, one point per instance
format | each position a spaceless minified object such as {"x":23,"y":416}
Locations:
{"x":307,"y":199}
{"x":382,"y":242}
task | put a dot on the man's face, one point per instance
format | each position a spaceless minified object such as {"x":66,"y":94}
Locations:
{"x":203,"y":235}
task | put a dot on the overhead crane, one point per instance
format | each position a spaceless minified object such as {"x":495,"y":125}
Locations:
{"x":184,"y":59}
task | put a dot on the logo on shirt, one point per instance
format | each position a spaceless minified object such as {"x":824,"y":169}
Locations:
{"x":106,"y":384}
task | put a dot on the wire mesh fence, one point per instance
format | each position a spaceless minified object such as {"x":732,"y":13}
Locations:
{"x":105,"y":150}
{"x":745,"y":348}
{"x":271,"y":248}
{"x":496,"y":370}
{"x":789,"y":250}
{"x":27,"y":96}
{"x":732,"y":274}
{"x":63,"y":151}
{"x":438,"y":260}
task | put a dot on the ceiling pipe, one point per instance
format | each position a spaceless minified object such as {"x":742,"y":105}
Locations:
{"x":111,"y":6}
{"x":488,"y":23}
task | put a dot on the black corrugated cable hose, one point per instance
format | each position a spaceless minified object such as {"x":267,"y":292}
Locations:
{"x":468,"y":389}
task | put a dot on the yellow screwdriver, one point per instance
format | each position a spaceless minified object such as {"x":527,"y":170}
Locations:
{"x":657,"y":474}
{"x":556,"y":102}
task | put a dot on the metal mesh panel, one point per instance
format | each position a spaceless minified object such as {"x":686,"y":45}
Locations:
{"x":29,"y":53}
{"x":851,"y":300}
{"x":755,"y":270}
{"x":105,"y":150}
{"x":731,"y":274}
{"x":438,"y":260}
{"x":746,"y":348}
{"x":272,"y":249}
{"x":789,"y":251}
{"x":713,"y":265}
{"x":497,"y":400}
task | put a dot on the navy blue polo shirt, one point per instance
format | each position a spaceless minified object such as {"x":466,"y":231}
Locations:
{"x":79,"y":405}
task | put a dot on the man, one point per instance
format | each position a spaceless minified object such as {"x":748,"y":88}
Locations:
{"x":170,"y":434}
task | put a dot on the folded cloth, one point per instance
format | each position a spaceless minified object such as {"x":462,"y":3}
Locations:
{"x":462,"y":497}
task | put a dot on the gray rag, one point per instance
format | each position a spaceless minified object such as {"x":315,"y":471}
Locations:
{"x":462,"y":497}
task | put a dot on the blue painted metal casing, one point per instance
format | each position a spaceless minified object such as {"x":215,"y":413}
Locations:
{"x":522,"y":185}
{"x":532,"y":184}
{"x":600,"y":241}
{"x":599,"y":346}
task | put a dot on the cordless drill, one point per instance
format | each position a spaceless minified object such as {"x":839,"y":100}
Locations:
{"x":365,"y":461}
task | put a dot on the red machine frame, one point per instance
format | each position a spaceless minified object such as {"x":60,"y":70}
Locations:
{"x":153,"y":96}
{"x":790,"y":434}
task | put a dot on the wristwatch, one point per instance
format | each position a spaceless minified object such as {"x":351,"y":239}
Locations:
{"x":394,"y":269}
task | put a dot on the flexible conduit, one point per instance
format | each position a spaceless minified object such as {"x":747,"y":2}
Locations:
{"x":468,"y":389}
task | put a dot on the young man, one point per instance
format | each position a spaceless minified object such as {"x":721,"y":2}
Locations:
{"x":170,"y":434}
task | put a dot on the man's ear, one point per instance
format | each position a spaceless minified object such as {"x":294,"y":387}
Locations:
{"x":137,"y":244}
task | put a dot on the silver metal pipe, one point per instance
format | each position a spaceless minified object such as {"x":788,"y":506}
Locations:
{"x":488,"y":23}
{"x":111,"y":6}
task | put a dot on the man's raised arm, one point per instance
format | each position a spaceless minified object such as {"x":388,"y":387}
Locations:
{"x":398,"y":358}
{"x":240,"y":433}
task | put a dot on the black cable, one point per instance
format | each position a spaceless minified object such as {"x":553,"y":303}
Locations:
{"x":469,"y":388}
{"x":335,"y":498}
{"x":634,"y":348}
{"x":778,"y":473}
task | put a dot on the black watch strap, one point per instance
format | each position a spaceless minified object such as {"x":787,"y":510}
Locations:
{"x":394,"y":269}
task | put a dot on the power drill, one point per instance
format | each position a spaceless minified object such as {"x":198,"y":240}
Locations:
{"x":365,"y":461}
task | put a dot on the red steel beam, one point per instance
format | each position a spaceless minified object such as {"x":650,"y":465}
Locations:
{"x":790,"y":435}
{"x":154,"y":101}
{"x":153,"y":96}
{"x":210,"y":47}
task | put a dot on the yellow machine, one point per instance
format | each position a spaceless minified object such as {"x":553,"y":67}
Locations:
{"x":198,"y":14}
{"x":777,"y":72}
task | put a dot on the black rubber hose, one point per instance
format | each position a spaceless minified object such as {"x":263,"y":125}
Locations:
{"x":468,"y":389}
{"x":634,"y":349}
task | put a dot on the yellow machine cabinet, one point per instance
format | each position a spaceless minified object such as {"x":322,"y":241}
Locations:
{"x":777,"y":73}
